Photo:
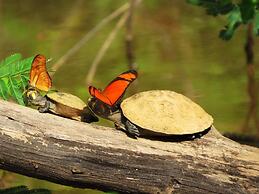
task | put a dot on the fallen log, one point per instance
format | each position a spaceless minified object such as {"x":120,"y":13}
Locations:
{"x":84,"y":155}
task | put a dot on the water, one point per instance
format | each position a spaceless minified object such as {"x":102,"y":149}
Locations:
{"x":175,"y":45}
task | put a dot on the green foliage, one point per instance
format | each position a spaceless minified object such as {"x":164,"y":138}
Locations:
{"x":14,"y":76}
{"x":238,"y":12}
{"x":24,"y":190}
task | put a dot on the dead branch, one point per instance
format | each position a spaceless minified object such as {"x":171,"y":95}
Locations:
{"x":73,"y":153}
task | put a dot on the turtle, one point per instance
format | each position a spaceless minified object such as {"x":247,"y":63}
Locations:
{"x":155,"y":113}
{"x":59,"y":103}
{"x":38,"y":93}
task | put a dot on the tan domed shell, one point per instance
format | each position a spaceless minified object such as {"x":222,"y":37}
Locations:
{"x":67,"y":99}
{"x":166,"y":112}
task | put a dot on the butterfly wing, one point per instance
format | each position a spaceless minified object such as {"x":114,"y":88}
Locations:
{"x":117,"y":87}
{"x":99,"y":95}
{"x":115,"y":90}
{"x":39,"y":76}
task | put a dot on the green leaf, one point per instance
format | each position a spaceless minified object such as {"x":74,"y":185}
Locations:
{"x":14,"y":76}
{"x":24,"y":82}
{"x":15,"y":91}
{"x":24,"y":66}
{"x":214,"y":7}
{"x":21,"y":67}
{"x":11,"y":59}
{"x":3,"y":89}
{"x":256,"y":23}
{"x":235,"y":20}
{"x":238,"y":12}
{"x":247,"y":9}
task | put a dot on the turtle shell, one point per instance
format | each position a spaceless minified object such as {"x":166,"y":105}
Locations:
{"x":66,"y":99}
{"x":165,"y":112}
{"x":66,"y":104}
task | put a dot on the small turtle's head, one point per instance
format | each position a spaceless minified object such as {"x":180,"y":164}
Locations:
{"x":32,"y":94}
{"x":88,"y":116}
{"x":34,"y":97}
{"x":98,"y":107}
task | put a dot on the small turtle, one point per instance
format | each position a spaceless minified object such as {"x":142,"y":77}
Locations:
{"x":60,"y":103}
{"x":155,"y":113}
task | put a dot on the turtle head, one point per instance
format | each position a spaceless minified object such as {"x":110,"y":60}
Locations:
{"x":88,"y":116}
{"x":99,"y":108}
{"x":89,"y":113}
{"x":34,"y":97}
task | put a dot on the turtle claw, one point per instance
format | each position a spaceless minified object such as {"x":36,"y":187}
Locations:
{"x":45,"y":108}
{"x":132,"y":129}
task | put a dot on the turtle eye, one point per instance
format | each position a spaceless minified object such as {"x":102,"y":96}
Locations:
{"x":31,"y":95}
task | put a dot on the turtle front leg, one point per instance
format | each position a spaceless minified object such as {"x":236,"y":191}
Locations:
{"x":44,"y":108}
{"x":132,"y":129}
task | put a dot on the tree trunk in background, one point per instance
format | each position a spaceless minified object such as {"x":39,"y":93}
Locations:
{"x":251,"y":85}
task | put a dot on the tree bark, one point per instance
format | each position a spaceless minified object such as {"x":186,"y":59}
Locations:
{"x":78,"y":154}
{"x":251,"y":85}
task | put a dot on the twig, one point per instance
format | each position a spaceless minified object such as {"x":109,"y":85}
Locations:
{"x":104,"y":48}
{"x":88,"y":36}
{"x":129,"y":37}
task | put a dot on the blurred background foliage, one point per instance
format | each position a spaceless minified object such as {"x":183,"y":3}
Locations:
{"x":175,"y":44}
{"x":238,"y":12}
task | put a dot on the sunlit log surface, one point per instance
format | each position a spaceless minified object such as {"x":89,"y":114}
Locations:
{"x":83,"y":155}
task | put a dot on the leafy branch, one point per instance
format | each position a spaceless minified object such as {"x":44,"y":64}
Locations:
{"x":238,"y":12}
{"x":14,"y":76}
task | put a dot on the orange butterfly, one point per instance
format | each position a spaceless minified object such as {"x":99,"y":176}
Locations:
{"x":115,"y":89}
{"x":39,"y":77}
